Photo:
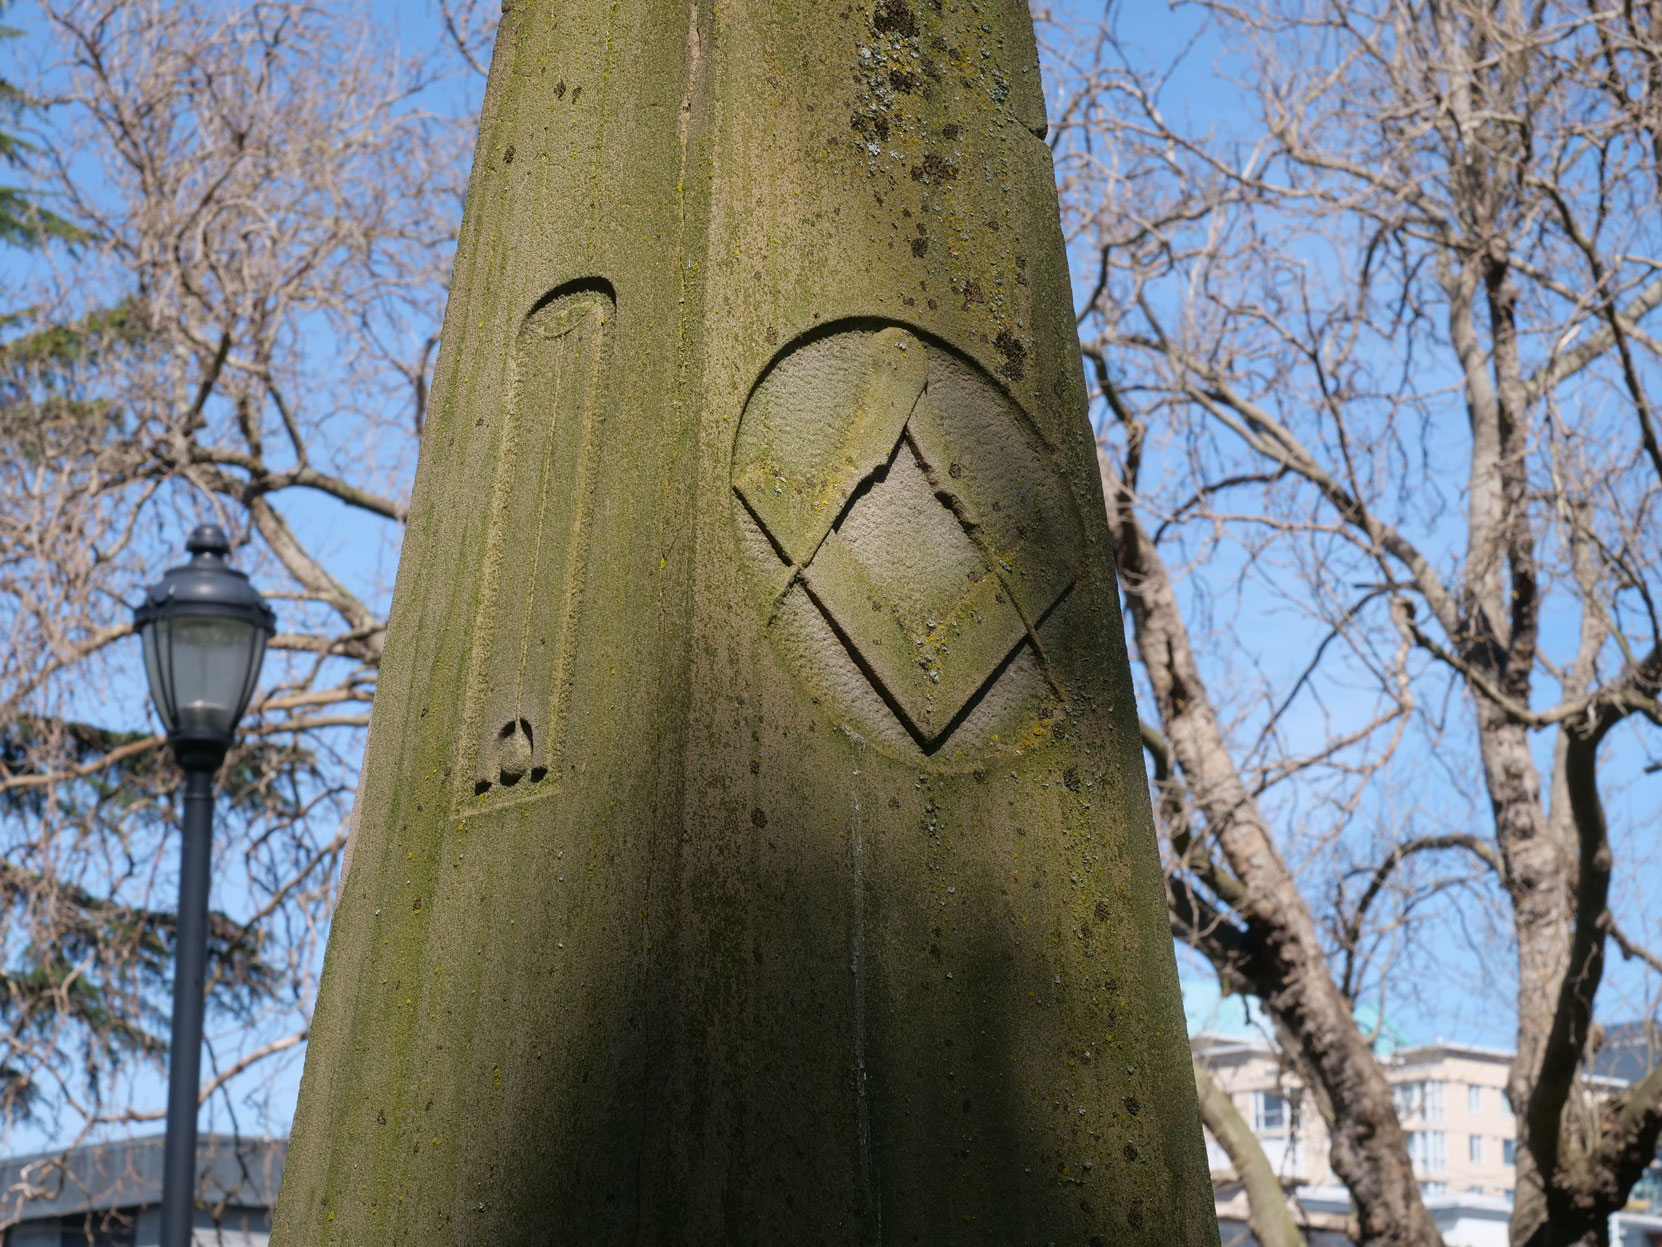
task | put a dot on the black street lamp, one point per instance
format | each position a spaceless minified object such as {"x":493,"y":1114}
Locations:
{"x":204,"y":630}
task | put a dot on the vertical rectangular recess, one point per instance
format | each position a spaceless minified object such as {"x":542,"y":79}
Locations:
{"x":537,"y":553}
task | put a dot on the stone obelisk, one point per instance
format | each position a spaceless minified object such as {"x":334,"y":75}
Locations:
{"x":754,"y":845}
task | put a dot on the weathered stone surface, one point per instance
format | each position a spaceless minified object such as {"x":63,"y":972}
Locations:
{"x":754,"y":845}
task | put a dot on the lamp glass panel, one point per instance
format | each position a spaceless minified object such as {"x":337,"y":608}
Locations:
{"x":157,"y":650}
{"x":210,"y":662}
{"x":256,"y":658}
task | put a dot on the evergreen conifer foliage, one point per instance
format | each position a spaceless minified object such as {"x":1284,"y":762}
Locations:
{"x":23,"y":221}
{"x":226,"y":226}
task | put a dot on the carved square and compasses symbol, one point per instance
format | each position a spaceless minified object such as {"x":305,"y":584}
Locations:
{"x":929,"y":543}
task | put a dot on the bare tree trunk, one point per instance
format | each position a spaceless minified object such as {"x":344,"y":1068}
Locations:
{"x":1425,"y":147}
{"x":1276,"y":951}
{"x":1268,"y":1216}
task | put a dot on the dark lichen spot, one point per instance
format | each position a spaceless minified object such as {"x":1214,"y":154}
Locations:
{"x":1130,"y":1152}
{"x":758,"y":818}
{"x":955,"y":470}
{"x":560,"y":89}
{"x":1070,"y":779}
{"x":920,"y":247}
{"x":1132,"y":1106}
{"x":1134,"y":1214}
{"x":950,"y":131}
{"x":772,"y":335}
{"x":575,"y":92}
{"x":895,"y":17}
{"x":417,"y":906}
{"x":508,"y":156}
{"x":972,"y":293}
{"x":934,"y":166}
{"x":755,"y":767}
{"x":1015,"y":354}
{"x":894,"y":803}
{"x":1102,"y":914}
{"x":904,"y":81}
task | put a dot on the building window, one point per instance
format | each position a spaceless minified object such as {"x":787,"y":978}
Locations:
{"x":1508,"y":1151}
{"x":1646,"y":1194}
{"x":1428,"y":1151}
{"x":1476,"y":1149}
{"x":97,"y":1230}
{"x":1286,"y":1156}
{"x":1419,"y":1099}
{"x":1474,"y":1100}
{"x":1403,"y":1098}
{"x":1269,"y":1112}
{"x":1505,"y":1103}
{"x":1434,"y":1188}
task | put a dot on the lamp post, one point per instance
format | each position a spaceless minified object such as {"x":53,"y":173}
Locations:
{"x":204,"y":630}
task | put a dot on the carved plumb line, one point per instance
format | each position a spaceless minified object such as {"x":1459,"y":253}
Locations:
{"x":536,"y":553}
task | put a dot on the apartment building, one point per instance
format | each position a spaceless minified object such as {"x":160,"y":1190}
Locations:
{"x":1451,"y":1099}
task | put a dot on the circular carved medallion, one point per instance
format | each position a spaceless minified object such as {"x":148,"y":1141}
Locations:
{"x":912,"y":538}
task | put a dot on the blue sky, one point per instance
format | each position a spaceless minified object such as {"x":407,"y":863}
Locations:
{"x":1465,"y":992}
{"x":1458,"y":1005}
{"x":1199,"y":89}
